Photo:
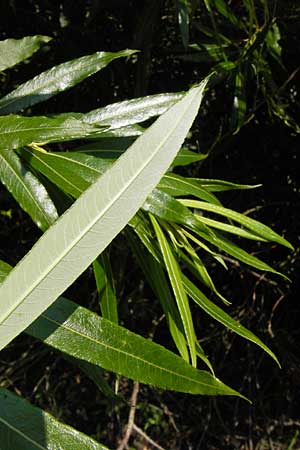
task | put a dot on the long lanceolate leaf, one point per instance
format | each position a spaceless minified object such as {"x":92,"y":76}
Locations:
{"x":13,"y":51}
{"x":56,"y":80}
{"x":25,"y":427}
{"x":27,"y":189}
{"x":95,"y":342}
{"x":132,"y":111}
{"x":16,"y":131}
{"x":84,"y":231}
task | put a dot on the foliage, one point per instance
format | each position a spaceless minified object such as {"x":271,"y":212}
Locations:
{"x":172,"y":230}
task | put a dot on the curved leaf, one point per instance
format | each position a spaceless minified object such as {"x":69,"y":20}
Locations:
{"x":100,"y":341}
{"x":218,"y":314}
{"x":25,"y":427}
{"x":13,"y":51}
{"x":57,"y":79}
{"x":82,"y":334}
{"x":27,"y":189}
{"x":68,"y":247}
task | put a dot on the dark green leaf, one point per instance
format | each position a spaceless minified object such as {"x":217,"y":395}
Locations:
{"x":106,"y":287}
{"x":25,"y":427}
{"x":27,"y":189}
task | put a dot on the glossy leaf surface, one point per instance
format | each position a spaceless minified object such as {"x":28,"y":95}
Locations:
{"x":133,"y":111}
{"x":27,"y":189}
{"x":13,"y":51}
{"x":25,"y":427}
{"x":82,"y":334}
{"x":67,"y":248}
{"x":57,"y":79}
{"x":17,"y":131}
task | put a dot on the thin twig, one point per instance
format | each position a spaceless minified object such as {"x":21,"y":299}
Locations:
{"x":131,"y":416}
{"x":146,"y":437}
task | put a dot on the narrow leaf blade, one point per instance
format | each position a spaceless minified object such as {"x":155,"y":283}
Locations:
{"x":85,"y":230}
{"x":57,"y":79}
{"x":27,"y":189}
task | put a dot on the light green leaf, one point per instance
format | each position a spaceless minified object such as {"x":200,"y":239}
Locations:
{"x":25,"y":427}
{"x":57,"y":79}
{"x":84,"y":231}
{"x":174,"y":273}
{"x":253,"y":225}
{"x":80,"y":333}
{"x":27,"y":189}
{"x":17,"y":131}
{"x":13,"y":51}
{"x":133,"y":111}
{"x":218,"y":314}
{"x":106,"y":287}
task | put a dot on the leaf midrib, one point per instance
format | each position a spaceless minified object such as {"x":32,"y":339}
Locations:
{"x":96,"y":219}
{"x":24,"y":436}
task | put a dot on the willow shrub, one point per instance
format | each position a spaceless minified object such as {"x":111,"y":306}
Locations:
{"x":118,"y":178}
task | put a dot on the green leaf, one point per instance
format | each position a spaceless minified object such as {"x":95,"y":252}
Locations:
{"x":113,"y":147}
{"x":239,"y":108}
{"x":25,"y":427}
{"x":57,"y":79}
{"x":155,"y":276}
{"x":253,"y":225}
{"x":133,"y":111}
{"x":169,"y":209}
{"x":218,"y":314}
{"x":176,"y":185}
{"x":212,"y":185}
{"x":179,"y":293}
{"x":106,"y":287}
{"x":13,"y":51}
{"x":84,"y":231}
{"x":82,"y":334}
{"x":27,"y":189}
{"x":17,"y":131}
{"x":184,"y":9}
{"x":72,"y":172}
{"x":114,"y":348}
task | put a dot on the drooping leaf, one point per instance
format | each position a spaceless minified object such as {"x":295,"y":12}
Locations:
{"x":212,"y":185}
{"x":80,"y":333}
{"x":252,"y":225}
{"x":17,"y":131}
{"x":83,"y":232}
{"x":177,"y":185}
{"x":57,"y":79}
{"x":27,"y":189}
{"x":218,"y":314}
{"x":106,"y":287}
{"x":26,"y":427}
{"x":239,"y":108}
{"x":13,"y":51}
{"x":133,"y":111}
{"x":174,"y":273}
{"x":156,"y":277}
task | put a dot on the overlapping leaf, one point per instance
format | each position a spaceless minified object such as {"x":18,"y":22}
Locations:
{"x":67,"y":248}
